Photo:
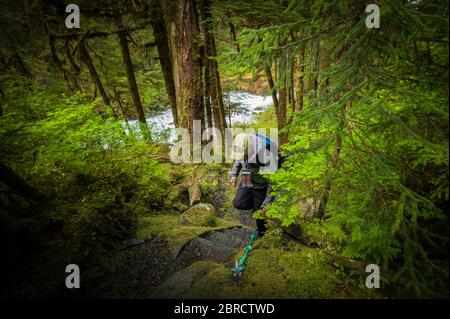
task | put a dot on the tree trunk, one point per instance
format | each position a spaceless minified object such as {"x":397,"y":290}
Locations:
{"x":217,"y":89}
{"x":291,"y":93}
{"x":207,"y":95}
{"x":213,"y":95}
{"x":119,"y":103}
{"x":54,"y":56}
{"x":279,"y":103}
{"x":310,"y":81}
{"x":93,"y":72}
{"x":291,"y":86}
{"x":182,"y":28}
{"x":272,"y":88}
{"x":213,"y":68}
{"x":75,"y":69}
{"x":126,"y":58}
{"x":281,"y":114}
{"x":162,"y":45}
{"x":299,"y":87}
{"x":334,"y":163}
{"x":338,"y":140}
{"x":60,"y":65}
{"x":233,"y":35}
{"x":316,"y":68}
{"x":206,"y":65}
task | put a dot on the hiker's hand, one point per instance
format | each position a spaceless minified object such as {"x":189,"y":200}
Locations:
{"x":234,"y":181}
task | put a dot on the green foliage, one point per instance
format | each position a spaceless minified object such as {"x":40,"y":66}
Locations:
{"x":367,"y":171}
{"x":100,"y":178}
{"x":370,"y":146}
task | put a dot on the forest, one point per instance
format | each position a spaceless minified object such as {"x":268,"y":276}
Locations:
{"x":91,"y":95}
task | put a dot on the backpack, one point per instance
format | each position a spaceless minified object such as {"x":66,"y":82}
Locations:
{"x":267,"y":142}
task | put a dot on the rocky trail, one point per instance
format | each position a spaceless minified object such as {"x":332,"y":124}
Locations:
{"x":189,"y":255}
{"x":142,"y":267}
{"x":156,"y":266}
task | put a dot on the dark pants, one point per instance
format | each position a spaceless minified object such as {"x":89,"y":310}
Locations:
{"x":251,"y":198}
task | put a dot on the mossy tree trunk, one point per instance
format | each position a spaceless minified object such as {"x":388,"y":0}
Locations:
{"x":215,"y":87}
{"x":183,"y":30}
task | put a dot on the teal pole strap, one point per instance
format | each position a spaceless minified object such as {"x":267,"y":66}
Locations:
{"x":240,"y":264}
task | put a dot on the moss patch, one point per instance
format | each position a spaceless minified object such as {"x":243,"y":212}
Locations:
{"x":279,"y":273}
{"x":199,"y":215}
{"x":309,"y":276}
{"x":177,"y":235}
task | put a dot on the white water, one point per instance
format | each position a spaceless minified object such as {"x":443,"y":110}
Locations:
{"x":162,"y":123}
{"x":252,"y":102}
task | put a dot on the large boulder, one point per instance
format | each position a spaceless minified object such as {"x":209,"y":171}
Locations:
{"x":199,"y":215}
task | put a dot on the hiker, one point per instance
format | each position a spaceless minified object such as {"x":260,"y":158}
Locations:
{"x":253,"y":153}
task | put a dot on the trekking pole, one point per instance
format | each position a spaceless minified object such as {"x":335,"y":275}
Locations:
{"x":239,"y":266}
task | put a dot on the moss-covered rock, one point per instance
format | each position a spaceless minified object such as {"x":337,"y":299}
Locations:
{"x":199,"y":215}
{"x":170,"y":228}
